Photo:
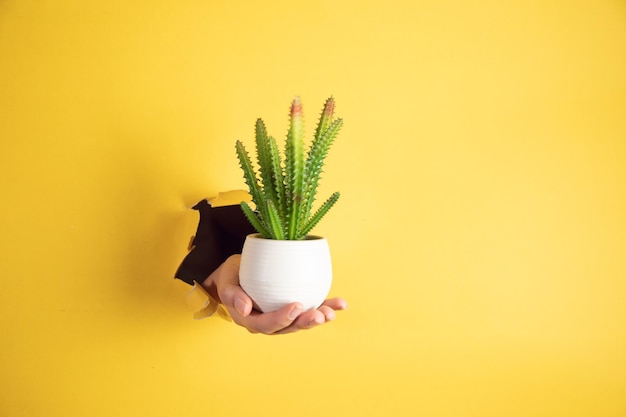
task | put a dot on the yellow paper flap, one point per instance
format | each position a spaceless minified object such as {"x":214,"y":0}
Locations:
{"x":230,"y":198}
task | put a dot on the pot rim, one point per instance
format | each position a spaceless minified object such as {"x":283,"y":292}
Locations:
{"x":306,"y":238}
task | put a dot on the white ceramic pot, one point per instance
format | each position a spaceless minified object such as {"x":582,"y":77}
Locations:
{"x":278,"y":272}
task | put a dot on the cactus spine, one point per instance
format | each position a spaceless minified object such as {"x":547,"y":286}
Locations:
{"x":284,"y":193}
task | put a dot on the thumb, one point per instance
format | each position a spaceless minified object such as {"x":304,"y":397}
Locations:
{"x":232,"y":295}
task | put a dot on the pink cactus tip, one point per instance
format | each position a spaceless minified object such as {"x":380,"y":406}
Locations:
{"x":296,"y":107}
{"x":329,"y":108}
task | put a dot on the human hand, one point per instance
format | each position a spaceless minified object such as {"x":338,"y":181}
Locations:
{"x":224,"y":283}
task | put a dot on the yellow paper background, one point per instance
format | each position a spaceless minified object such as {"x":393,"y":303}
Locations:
{"x":479,"y":240}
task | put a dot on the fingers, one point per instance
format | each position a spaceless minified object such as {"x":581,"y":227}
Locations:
{"x":329,"y":313}
{"x":274,"y":322}
{"x":289,"y":319}
{"x":313,"y":318}
{"x":336,"y":303}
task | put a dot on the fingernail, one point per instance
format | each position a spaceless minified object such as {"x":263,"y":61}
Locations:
{"x":295,"y":312}
{"x":240,"y":306}
{"x":316,"y":322}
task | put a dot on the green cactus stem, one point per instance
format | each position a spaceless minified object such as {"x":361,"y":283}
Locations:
{"x":284,"y":193}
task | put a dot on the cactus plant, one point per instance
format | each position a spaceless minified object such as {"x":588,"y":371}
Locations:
{"x":284,"y":191}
